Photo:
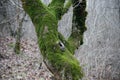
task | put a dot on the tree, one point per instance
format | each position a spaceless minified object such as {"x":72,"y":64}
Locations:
{"x":62,"y":63}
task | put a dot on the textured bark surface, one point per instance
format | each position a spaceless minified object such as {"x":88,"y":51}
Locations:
{"x":100,"y":53}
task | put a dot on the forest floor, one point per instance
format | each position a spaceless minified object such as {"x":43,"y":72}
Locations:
{"x":27,"y":65}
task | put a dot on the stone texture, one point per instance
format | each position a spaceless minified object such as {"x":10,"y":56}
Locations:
{"x":11,"y":13}
{"x":100,"y":53}
{"x":65,"y":24}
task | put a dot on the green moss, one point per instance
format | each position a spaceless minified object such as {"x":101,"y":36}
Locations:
{"x":45,"y":20}
{"x":79,"y":17}
{"x":66,"y":6}
{"x":69,"y":44}
{"x":57,"y":6}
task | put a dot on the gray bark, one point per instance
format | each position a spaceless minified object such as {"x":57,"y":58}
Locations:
{"x":100,"y":53}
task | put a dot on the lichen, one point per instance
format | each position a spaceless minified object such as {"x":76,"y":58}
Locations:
{"x":45,"y":20}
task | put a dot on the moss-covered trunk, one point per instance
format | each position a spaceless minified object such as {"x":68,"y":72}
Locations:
{"x":51,"y":44}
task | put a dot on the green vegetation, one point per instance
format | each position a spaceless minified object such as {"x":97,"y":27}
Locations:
{"x":45,"y":20}
{"x":79,"y":17}
{"x":67,"y":5}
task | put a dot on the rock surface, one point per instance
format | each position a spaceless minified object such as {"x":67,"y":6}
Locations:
{"x":100,"y":53}
{"x":11,"y":14}
{"x":65,"y":24}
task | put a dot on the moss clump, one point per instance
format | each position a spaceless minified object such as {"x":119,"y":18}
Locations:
{"x":66,"y":6}
{"x":45,"y":20}
{"x":79,"y":17}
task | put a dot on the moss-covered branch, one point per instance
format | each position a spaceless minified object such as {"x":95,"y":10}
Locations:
{"x":45,"y":20}
{"x":78,"y":28}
